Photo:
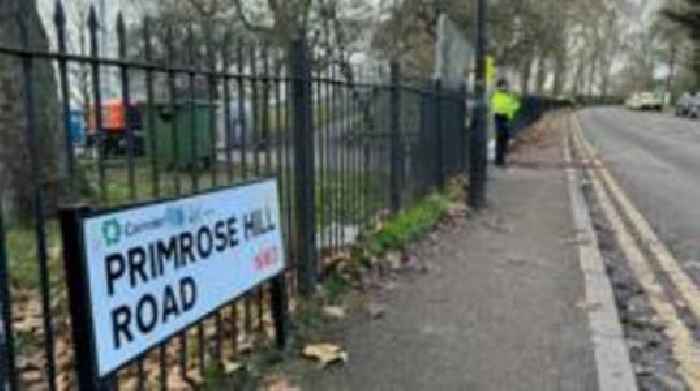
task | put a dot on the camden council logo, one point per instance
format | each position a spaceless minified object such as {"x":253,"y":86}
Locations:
{"x":114,"y":231}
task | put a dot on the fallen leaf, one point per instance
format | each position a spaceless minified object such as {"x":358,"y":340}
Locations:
{"x":375,"y":310}
{"x":394,"y":259}
{"x":278,"y":383}
{"x":334,"y":312}
{"x":325,"y":353}
{"x":457,"y":209}
{"x":390,"y":286}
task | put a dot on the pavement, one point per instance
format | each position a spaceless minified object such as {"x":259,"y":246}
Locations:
{"x":503,"y":305}
{"x":654,"y":156}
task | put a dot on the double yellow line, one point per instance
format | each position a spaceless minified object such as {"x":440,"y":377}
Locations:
{"x":639,"y":243}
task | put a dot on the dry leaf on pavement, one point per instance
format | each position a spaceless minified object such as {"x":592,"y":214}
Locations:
{"x":325,"y":353}
{"x":278,"y":383}
{"x":334,"y":312}
{"x":375,"y":310}
{"x":394,"y":259}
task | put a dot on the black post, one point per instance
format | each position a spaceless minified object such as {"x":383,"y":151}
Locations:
{"x":126,"y":103}
{"x":479,"y":146}
{"x":78,"y":298}
{"x":60,"y":23}
{"x":150,"y":120}
{"x":462,"y":127}
{"x":439,"y":139}
{"x":396,"y":163}
{"x":101,"y":141}
{"x":280,"y":308}
{"x":304,"y":166}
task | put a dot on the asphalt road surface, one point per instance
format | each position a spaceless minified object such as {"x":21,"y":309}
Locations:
{"x":656,"y":159}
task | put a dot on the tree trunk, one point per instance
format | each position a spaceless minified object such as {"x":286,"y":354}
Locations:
{"x":671,"y":68}
{"x":541,"y":74}
{"x":591,"y":76}
{"x":17,"y":177}
{"x":525,"y":74}
{"x":605,"y":78}
{"x":576,"y":85}
{"x":559,"y":72}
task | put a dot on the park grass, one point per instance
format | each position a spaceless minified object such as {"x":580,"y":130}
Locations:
{"x":22,"y":254}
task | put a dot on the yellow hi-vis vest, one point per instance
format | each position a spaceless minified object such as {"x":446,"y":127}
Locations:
{"x":503,"y":102}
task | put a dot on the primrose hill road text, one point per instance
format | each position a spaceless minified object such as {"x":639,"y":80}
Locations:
{"x":158,"y":269}
{"x":140,"y":265}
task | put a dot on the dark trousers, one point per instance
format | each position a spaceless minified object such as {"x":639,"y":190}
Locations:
{"x":502,"y":138}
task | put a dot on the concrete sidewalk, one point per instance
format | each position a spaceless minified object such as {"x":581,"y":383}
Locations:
{"x":503,"y":306}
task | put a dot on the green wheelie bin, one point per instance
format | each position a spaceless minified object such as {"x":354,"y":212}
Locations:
{"x":181,"y":137}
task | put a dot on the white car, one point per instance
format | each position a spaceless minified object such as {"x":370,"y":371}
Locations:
{"x":649,"y":101}
{"x":688,"y":105}
{"x":632,"y":102}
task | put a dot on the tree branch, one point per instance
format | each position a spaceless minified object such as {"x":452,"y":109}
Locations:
{"x":246,"y":22}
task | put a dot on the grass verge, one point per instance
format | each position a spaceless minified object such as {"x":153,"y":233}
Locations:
{"x":408,"y":226}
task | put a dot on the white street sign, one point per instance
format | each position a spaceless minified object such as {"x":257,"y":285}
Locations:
{"x":155,"y":270}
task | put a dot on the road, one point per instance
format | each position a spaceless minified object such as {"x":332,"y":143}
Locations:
{"x":656,"y":159}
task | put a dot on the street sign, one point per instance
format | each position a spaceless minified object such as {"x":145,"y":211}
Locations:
{"x":154,"y":270}
{"x":453,"y":53}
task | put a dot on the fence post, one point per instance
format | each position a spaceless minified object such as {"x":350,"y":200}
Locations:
{"x":77,"y":283}
{"x":439,"y":140}
{"x":396,"y":161}
{"x":304,"y":167}
{"x":479,"y":144}
{"x":462,"y":127}
{"x":280,"y":307}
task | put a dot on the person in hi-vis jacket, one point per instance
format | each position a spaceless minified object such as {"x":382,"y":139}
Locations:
{"x":504,"y":105}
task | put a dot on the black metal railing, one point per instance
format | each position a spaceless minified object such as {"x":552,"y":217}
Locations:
{"x":346,"y":143}
{"x":532,"y":108}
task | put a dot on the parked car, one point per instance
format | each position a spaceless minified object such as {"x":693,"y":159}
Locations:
{"x":688,"y":105}
{"x":649,"y":101}
{"x":632,"y":102}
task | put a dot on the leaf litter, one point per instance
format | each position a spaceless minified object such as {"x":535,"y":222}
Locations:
{"x":325,"y":354}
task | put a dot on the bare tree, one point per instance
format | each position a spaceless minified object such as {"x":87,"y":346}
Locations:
{"x":21,"y":160}
{"x":686,"y":13}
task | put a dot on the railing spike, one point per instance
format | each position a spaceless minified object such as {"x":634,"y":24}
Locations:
{"x":59,"y":14}
{"x":93,"y":24}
